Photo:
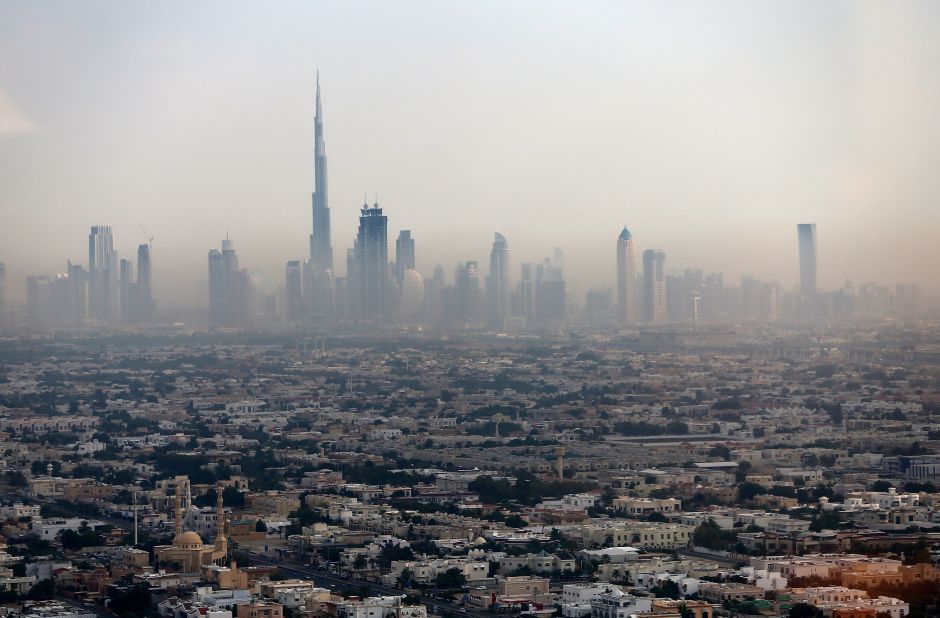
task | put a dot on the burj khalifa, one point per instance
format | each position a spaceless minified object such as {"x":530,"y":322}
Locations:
{"x":319,"y":283}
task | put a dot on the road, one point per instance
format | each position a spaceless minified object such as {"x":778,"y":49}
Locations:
{"x":117,"y":522}
{"x":328,"y":579}
{"x":719,"y":559}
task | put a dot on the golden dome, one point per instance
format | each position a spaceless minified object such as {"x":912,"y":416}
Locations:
{"x":187,"y":539}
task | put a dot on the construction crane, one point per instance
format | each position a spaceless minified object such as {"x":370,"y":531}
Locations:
{"x":147,"y":235}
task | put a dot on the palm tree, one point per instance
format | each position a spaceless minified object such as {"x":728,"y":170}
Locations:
{"x":405,"y":577}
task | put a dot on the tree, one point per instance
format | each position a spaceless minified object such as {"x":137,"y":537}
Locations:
{"x":747,"y":491}
{"x":668,"y":589}
{"x":392,"y":553}
{"x":84,"y":537}
{"x":709,"y":534}
{"x":515,"y":521}
{"x":721,"y":451}
{"x":405,"y":577}
{"x":804,"y":610}
{"x":15,"y":478}
{"x":42,"y":591}
{"x":260,"y":526}
{"x":825,"y":520}
{"x":451,"y":579}
{"x":360,"y":562}
{"x":100,"y":400}
{"x":135,"y":600}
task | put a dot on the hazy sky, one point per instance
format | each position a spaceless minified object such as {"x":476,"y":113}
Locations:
{"x":709,"y":128}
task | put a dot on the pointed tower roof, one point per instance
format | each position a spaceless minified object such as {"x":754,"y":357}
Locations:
{"x":625,"y":234}
{"x":221,"y":542}
{"x":319,"y":109}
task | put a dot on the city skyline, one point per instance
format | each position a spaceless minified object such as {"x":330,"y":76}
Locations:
{"x":376,"y":292}
{"x":247,"y":173}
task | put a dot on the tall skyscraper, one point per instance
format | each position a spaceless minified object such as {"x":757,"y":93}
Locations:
{"x":318,"y":280}
{"x":524,"y":300}
{"x":404,"y":254}
{"x":433,"y":289}
{"x":497,"y":284}
{"x":654,"y":284}
{"x":127,"y":291}
{"x":321,"y":248}
{"x":76,"y":295}
{"x":467,"y":294}
{"x":626,"y":278}
{"x":806,"y":235}
{"x":293,"y":292}
{"x":371,"y":271}
{"x":144,"y":283}
{"x":218,"y":292}
{"x":102,"y":274}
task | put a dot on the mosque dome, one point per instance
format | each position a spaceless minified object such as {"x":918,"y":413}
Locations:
{"x":187,"y":539}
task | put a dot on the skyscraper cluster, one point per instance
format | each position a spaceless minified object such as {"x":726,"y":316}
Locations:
{"x":655,"y":295}
{"x":374,"y":291}
{"x":108,"y":292}
{"x":233,"y":298}
{"x":378,"y":290}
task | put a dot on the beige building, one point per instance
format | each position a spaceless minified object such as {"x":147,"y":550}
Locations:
{"x":260,"y":609}
{"x":639,"y":507}
{"x":522,"y":587}
{"x":637,"y":534}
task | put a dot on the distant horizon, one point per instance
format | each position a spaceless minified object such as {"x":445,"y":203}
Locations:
{"x":555,"y":127}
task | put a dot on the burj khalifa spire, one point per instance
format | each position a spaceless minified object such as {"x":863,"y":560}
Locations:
{"x":321,"y":249}
{"x":318,"y":282}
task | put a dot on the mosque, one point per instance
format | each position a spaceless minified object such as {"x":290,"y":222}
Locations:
{"x":188,"y":554}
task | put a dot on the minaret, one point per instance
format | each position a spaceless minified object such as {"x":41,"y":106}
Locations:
{"x":321,"y":249}
{"x":221,"y":542}
{"x":178,"y":516}
{"x":560,"y":462}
